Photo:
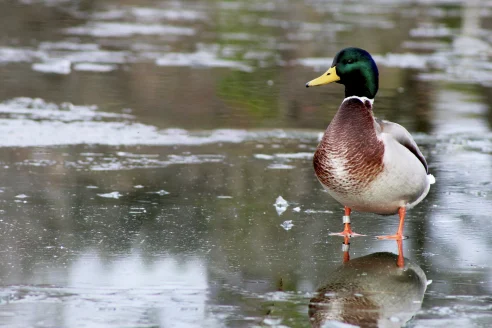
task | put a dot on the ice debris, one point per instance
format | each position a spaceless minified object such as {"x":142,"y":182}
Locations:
{"x":287,"y":225}
{"x":281,"y":205}
{"x":114,"y":195}
{"x":56,"y":66}
{"x":21,"y":196}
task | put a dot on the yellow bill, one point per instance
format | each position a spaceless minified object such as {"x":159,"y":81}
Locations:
{"x":328,"y":77}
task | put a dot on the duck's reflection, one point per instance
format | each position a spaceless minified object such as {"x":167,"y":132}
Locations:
{"x":377,"y":290}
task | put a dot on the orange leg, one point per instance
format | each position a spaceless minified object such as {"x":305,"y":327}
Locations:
{"x":400,"y":262}
{"x":346,"y":248}
{"x":399,"y":233}
{"x":347,"y":231}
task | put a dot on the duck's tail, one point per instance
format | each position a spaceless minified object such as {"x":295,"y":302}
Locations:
{"x":431,"y":179}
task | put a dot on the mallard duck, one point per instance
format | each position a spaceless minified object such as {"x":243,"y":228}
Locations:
{"x":367,"y":164}
{"x":376,"y":290}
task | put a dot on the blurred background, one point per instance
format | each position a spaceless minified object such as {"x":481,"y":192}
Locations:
{"x":143,"y":145}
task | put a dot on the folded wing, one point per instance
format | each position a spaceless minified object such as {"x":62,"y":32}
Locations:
{"x":401,"y":135}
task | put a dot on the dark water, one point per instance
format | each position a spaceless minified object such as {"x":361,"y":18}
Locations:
{"x":144,"y":144}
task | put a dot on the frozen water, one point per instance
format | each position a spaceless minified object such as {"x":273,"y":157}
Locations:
{"x":68,"y":124}
{"x":68,"y":45}
{"x":161,"y":192}
{"x":13,"y":55}
{"x":280,"y":166}
{"x":120,"y":30}
{"x":295,"y":155}
{"x":21,"y":196}
{"x":91,"y":67}
{"x":114,"y":195}
{"x":309,"y":211}
{"x":38,"y":109}
{"x":280,"y":205}
{"x":53,"y":66}
{"x":209,"y":254}
{"x":430,"y":31}
{"x":153,"y":14}
{"x":263,"y":156}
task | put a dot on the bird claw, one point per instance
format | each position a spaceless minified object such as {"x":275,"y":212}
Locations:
{"x":348,"y":234}
{"x":392,"y":237}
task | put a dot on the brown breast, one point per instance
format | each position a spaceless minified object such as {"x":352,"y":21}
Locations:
{"x":349,"y":156}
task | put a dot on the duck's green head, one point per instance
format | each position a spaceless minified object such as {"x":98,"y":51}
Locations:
{"x":354,"y":68}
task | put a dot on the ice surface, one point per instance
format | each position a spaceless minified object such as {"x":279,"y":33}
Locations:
{"x":263,"y":156}
{"x":273,"y":321}
{"x":295,"y":155}
{"x":119,"y":30}
{"x":302,"y":155}
{"x":309,"y":211}
{"x":94,"y":67}
{"x":114,"y":195}
{"x":431,"y":31}
{"x":13,"y":55}
{"x":280,"y":166}
{"x":68,"y":45}
{"x":38,"y":109}
{"x":113,"y":163}
{"x":280,"y":205}
{"x":60,"y":66}
{"x":96,"y":56}
{"x":21,"y":196}
{"x":337,"y":324}
{"x":147,"y":14}
{"x":161,"y":192}
{"x":153,"y":14}
{"x":287,"y":225}
{"x":68,"y":124}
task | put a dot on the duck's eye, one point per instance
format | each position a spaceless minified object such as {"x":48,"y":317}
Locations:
{"x":350,"y":61}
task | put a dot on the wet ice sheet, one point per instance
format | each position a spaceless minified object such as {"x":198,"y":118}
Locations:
{"x":208,"y":193}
